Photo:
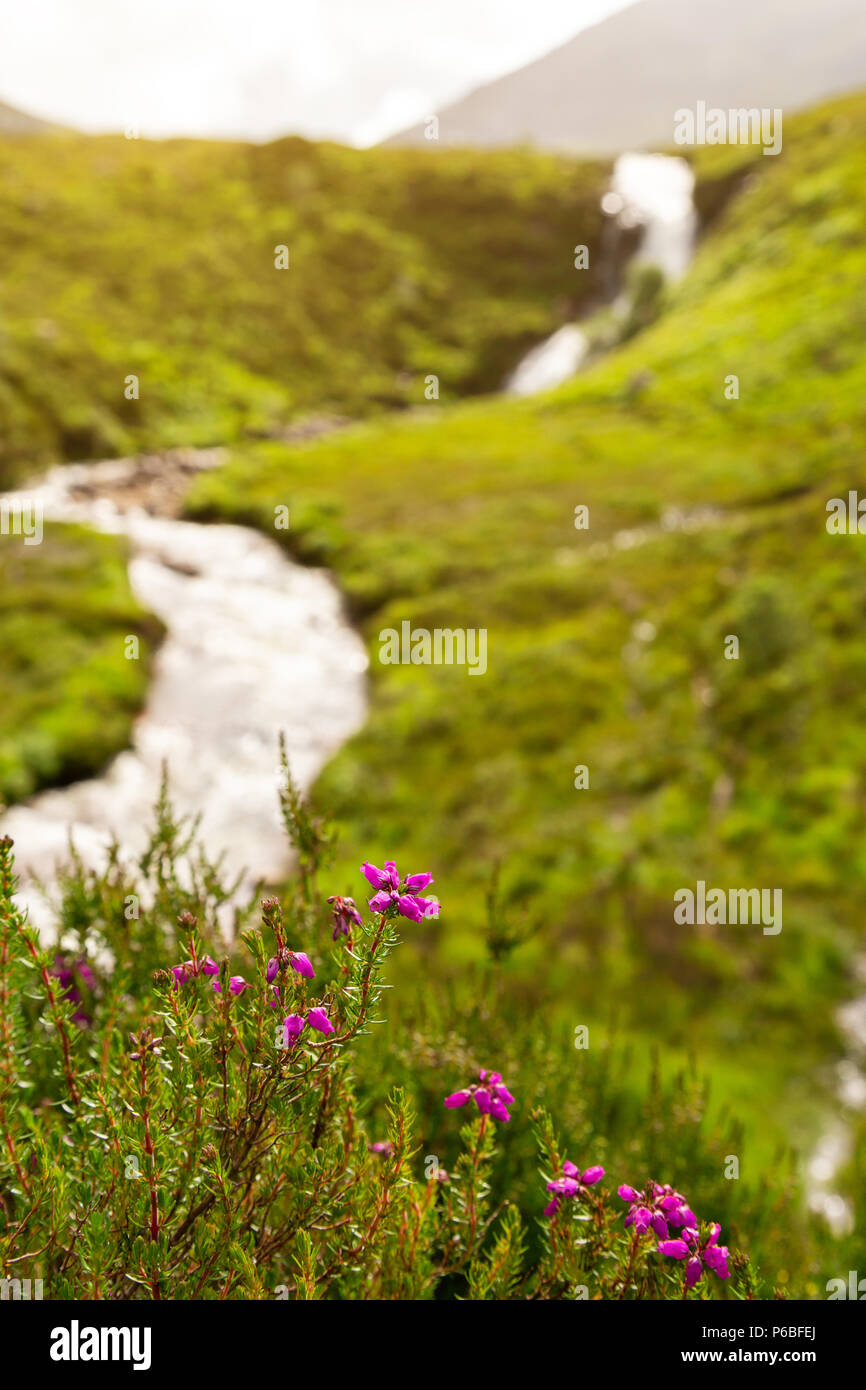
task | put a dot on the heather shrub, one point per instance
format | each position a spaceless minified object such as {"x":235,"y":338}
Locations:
{"x":186,"y":1119}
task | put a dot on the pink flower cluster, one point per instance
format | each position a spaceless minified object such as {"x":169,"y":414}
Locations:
{"x":573,"y":1183}
{"x":658,"y":1208}
{"x":700,"y":1252}
{"x":285,"y":958}
{"x":390,"y":892}
{"x":293,"y":1025}
{"x":491,"y":1096}
{"x":208,"y":966}
{"x":404,"y":896}
{"x":346,"y":916}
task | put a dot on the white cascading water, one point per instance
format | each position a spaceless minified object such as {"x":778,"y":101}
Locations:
{"x":255,"y":644}
{"x":649,"y":190}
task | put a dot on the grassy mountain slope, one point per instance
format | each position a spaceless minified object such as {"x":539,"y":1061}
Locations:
{"x":157,"y":260}
{"x":606,"y":647}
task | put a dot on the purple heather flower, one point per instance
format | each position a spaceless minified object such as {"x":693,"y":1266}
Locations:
{"x":571,"y":1184}
{"x":346,"y":915}
{"x":381,"y":1146}
{"x":237,"y":985}
{"x":408,"y":902}
{"x":415,"y":882}
{"x":386,"y":878}
{"x":190,"y":970}
{"x":293,"y":1026}
{"x":494,"y":1083}
{"x":299,"y":961}
{"x":698,"y":1253}
{"x":317,"y":1018}
{"x":491,"y":1096}
{"x":182,"y":973}
{"x":674,"y":1205}
{"x":656,"y":1207}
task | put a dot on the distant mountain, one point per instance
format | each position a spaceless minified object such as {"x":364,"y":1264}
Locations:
{"x":617,"y":85}
{"x":14,"y":122}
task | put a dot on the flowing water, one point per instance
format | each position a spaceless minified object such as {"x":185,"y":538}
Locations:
{"x":550,"y":363}
{"x":653,"y":191}
{"x":836,"y":1145}
{"x":255,"y":644}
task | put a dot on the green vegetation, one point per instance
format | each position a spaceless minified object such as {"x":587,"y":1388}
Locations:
{"x":69,"y":694}
{"x":126,"y":257}
{"x":165,"y":1140}
{"x":157,"y":260}
{"x":606,"y":646}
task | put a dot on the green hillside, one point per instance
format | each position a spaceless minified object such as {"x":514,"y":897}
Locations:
{"x":156,"y":259}
{"x":606,"y":646}
{"x":127,"y":258}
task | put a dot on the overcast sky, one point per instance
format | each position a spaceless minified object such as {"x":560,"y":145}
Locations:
{"x":352,"y":70}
